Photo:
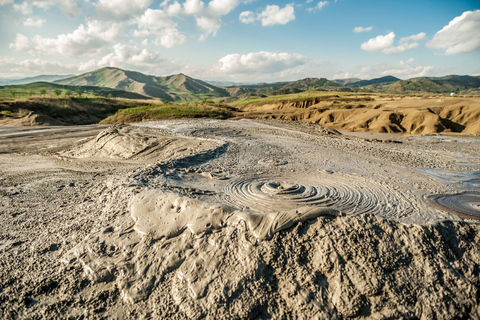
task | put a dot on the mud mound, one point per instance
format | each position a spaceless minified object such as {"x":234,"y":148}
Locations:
{"x":466,"y":116}
{"x":422,"y":122}
{"x":127,"y":142}
{"x":200,"y":263}
{"x":343,"y":192}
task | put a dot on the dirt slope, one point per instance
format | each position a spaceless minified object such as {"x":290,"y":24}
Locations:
{"x":413,"y":115}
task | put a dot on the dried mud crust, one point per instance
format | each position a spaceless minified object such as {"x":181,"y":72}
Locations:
{"x":72,"y":246}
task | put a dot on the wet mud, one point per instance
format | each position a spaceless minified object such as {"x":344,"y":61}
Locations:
{"x":240,"y":219}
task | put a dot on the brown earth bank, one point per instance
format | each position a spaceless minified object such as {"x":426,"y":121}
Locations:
{"x":61,"y":111}
{"x":261,"y":219}
{"x":377,"y":113}
{"x":381,"y":113}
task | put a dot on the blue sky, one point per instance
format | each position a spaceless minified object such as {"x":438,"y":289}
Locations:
{"x":241,"y":40}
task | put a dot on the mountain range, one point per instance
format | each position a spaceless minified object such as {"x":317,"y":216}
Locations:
{"x":171,"y":88}
{"x":180,"y":87}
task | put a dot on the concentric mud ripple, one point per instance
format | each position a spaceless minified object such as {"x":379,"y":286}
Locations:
{"x":466,"y":205}
{"x":348,"y":194}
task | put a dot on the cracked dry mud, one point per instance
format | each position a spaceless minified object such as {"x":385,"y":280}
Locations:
{"x":237,"y":220}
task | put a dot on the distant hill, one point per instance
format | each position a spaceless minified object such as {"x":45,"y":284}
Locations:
{"x":314,"y":84}
{"x":44,"y":78}
{"x":172,"y":88}
{"x":376,"y":81}
{"x":344,"y":82}
{"x":448,"y":84}
{"x":282,"y":88}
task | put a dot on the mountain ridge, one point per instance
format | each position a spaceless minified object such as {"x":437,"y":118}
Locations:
{"x":178,"y":87}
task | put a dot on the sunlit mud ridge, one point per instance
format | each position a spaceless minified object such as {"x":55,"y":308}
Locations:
{"x":465,"y":205}
{"x":265,"y":221}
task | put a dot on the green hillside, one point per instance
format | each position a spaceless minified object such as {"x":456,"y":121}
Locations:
{"x":33,"y":89}
{"x":445,"y":85}
{"x":177,"y":87}
{"x":372,"y":82}
{"x":347,"y":81}
{"x":314,"y":84}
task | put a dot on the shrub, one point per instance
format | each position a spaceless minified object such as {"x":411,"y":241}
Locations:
{"x":57,"y":92}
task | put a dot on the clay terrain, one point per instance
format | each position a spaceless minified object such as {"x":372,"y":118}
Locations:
{"x":243,"y":219}
{"x":365,"y":112}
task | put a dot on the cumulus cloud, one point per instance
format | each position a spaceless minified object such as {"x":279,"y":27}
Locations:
{"x":159,"y":25}
{"x":5,"y":2}
{"x":247,"y":17}
{"x":273,"y":15}
{"x":259,"y":62}
{"x":385,"y":45}
{"x":68,"y":7}
{"x":362,"y":29}
{"x":319,"y":6}
{"x":84,"y":41}
{"x":121,"y":9}
{"x":21,"y":43}
{"x":11,"y":67}
{"x":405,"y":69}
{"x":460,"y":36}
{"x":208,"y":18}
{"x":34,"y":22}
{"x":125,"y":55}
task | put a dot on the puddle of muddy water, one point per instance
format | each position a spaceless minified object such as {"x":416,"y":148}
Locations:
{"x":439,"y":139}
{"x":457,"y":180}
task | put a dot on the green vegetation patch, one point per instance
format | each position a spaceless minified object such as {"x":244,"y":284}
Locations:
{"x":207,"y":109}
{"x":305,"y":96}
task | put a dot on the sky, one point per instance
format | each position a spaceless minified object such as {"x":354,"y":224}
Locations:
{"x":241,"y":40}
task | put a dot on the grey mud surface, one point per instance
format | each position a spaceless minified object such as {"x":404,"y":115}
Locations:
{"x":236,"y":220}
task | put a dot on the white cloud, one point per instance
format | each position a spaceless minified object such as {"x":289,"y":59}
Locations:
{"x":247,"y":17}
{"x":21,"y":43}
{"x":415,"y":37}
{"x":319,"y":6}
{"x":460,"y":36}
{"x":11,"y":67}
{"x":159,"y":25}
{"x":68,"y":7}
{"x":34,"y":22}
{"x":155,"y":19}
{"x":193,"y":7}
{"x":125,"y":55}
{"x":385,"y":45}
{"x":221,"y":7}
{"x":209,"y":25}
{"x":259,"y":63}
{"x":174,"y":9}
{"x":121,"y":9}
{"x":208,"y":18}
{"x":273,"y":15}
{"x":362,"y":29}
{"x":404,"y":70}
{"x":5,"y":2}
{"x":86,"y":41}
